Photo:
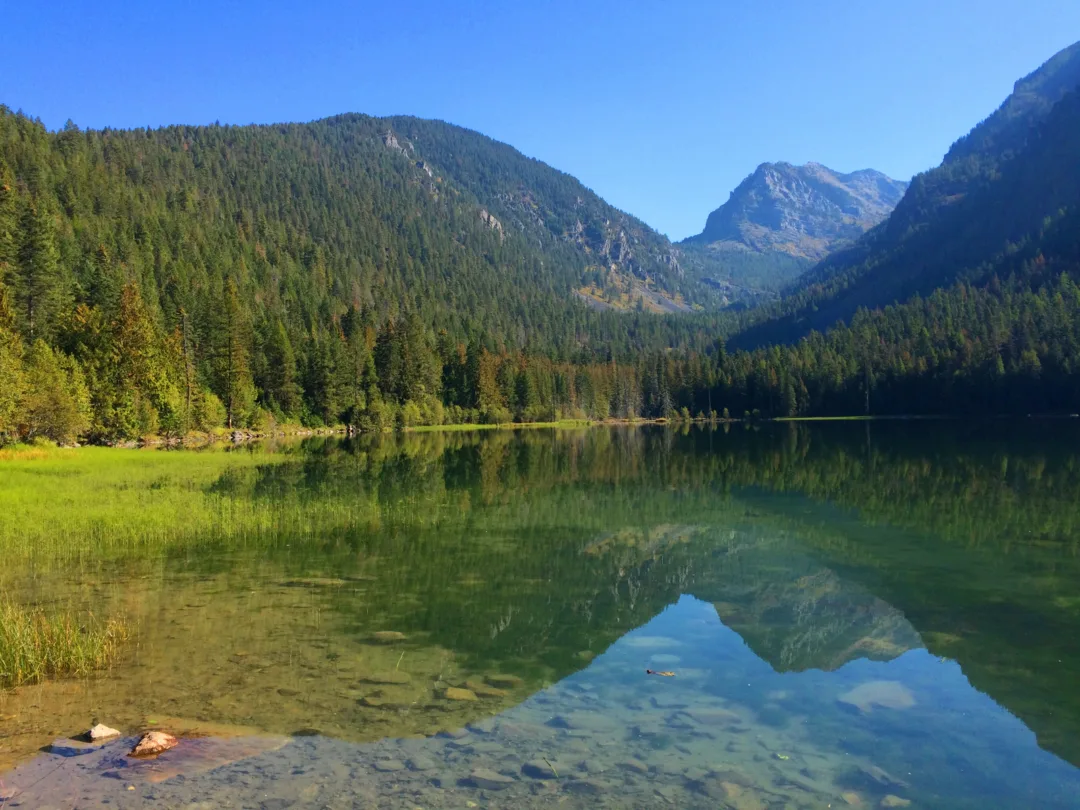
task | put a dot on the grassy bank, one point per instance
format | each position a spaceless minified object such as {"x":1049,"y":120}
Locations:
{"x":103,"y":500}
{"x":35,"y":645}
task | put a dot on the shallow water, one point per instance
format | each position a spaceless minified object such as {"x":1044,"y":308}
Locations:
{"x":853,"y":615}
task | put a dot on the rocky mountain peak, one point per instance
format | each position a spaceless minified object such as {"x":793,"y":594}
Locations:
{"x":805,"y":211}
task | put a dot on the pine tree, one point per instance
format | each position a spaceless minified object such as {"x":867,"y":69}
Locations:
{"x":9,"y":224}
{"x":230,"y":359}
{"x":38,"y":285}
{"x":11,"y":370}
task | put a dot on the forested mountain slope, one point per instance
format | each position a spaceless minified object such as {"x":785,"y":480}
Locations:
{"x":994,"y":191}
{"x":297,"y":270}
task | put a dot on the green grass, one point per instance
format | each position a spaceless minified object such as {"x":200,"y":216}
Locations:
{"x":35,"y":645}
{"x":96,"y":500}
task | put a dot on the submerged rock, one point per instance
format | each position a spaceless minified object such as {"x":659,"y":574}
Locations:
{"x":490,"y":780}
{"x":875,"y":775}
{"x":153,"y":743}
{"x":504,"y":681}
{"x":586,"y":787}
{"x":894,"y":801}
{"x":539,"y":769}
{"x":388,"y":636}
{"x":387,"y":678}
{"x":483,"y":690}
{"x":102,"y":732}
{"x":456,"y":693}
{"x":389,"y":765}
{"x":422,"y":763}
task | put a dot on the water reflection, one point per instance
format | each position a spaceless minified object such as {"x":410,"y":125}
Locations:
{"x":822,"y":596}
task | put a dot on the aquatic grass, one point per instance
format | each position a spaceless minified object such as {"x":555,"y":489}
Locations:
{"x":35,"y":645}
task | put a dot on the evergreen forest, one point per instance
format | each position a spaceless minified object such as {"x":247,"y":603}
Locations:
{"x":390,"y":273}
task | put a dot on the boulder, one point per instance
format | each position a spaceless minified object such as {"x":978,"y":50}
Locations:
{"x":102,"y":732}
{"x":388,"y":636}
{"x":455,"y":693}
{"x":539,"y":769}
{"x":389,"y":765}
{"x":490,"y":780}
{"x":481,"y":689}
{"x":153,"y":743}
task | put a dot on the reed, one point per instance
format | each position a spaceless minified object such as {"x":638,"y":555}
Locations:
{"x":35,"y":645}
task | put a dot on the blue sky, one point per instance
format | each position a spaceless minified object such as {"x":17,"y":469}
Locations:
{"x":660,"y":107}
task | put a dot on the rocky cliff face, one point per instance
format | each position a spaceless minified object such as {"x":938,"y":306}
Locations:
{"x":803,"y":211}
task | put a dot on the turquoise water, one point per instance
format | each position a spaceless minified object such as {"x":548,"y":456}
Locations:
{"x":853,"y":615}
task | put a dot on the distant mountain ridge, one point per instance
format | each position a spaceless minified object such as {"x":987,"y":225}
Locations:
{"x":804,"y":211}
{"x":1008,"y":184}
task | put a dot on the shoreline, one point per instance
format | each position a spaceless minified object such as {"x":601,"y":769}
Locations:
{"x":195,"y":441}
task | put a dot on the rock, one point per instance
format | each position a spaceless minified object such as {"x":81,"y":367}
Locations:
{"x":485,"y":726}
{"x":504,"y":681}
{"x":153,"y":743}
{"x":388,"y":636}
{"x":481,"y":689}
{"x":539,"y":769}
{"x":456,"y":693}
{"x":731,"y":775}
{"x":490,"y":780}
{"x":894,"y":801}
{"x":887,"y":694}
{"x":586,"y":787}
{"x":741,"y":798}
{"x":422,"y":763}
{"x":102,"y":732}
{"x":882,"y":776}
{"x":591,"y":766}
{"x":387,"y":678}
{"x":583,"y":721}
{"x":389,"y":765}
{"x":454,"y":733}
{"x":490,"y":221}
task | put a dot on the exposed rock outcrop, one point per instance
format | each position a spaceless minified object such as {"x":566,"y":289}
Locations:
{"x":804,"y":211}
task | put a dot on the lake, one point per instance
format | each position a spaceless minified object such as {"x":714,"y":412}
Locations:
{"x":852,"y":614}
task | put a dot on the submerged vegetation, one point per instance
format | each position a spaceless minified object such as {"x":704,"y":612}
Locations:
{"x":35,"y":644}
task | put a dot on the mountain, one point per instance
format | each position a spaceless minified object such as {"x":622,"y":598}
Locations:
{"x":779,"y":221}
{"x":308,"y":272}
{"x":804,"y":211}
{"x":1001,"y":186}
